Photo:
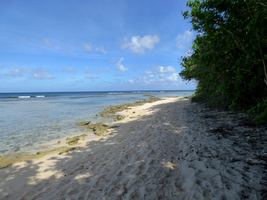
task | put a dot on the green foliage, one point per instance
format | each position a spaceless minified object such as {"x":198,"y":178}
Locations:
{"x":229,"y":52}
{"x":259,"y":112}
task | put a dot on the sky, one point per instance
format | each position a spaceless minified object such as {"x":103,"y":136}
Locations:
{"x":93,"y":45}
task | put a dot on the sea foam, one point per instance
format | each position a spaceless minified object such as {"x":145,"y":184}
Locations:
{"x":24,"y":97}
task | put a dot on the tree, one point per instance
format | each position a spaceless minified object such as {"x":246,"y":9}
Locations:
{"x":229,"y":53}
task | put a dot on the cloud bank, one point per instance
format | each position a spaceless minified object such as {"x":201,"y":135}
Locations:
{"x":28,"y":72}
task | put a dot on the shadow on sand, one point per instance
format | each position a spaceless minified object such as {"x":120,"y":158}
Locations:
{"x":180,"y":151}
{"x":136,"y":161}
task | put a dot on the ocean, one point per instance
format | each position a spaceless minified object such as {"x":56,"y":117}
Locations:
{"x":29,"y":120}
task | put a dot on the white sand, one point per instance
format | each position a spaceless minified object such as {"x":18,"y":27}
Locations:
{"x":156,"y":152}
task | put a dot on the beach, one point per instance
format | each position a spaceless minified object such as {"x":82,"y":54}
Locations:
{"x":166,"y":149}
{"x":30,"y":124}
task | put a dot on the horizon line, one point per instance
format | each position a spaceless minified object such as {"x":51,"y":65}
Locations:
{"x":98,"y":91}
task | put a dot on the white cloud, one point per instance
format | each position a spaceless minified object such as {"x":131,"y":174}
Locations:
{"x":89,"y":48}
{"x":27,"y":72}
{"x":139,"y":44}
{"x":131,"y":81}
{"x":41,"y":74}
{"x":173,"y":77}
{"x":17,"y":71}
{"x":120,"y":66}
{"x":184,"y":40}
{"x":150,"y":74}
{"x":163,"y":75}
{"x":100,"y":50}
{"x":167,"y":69}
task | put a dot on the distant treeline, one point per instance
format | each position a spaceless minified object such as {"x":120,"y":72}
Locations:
{"x":228,"y":57}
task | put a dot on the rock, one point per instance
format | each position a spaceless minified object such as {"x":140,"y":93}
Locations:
{"x":66,"y":150}
{"x":118,"y":117}
{"x":84,"y":123}
{"x":74,"y":140}
{"x":99,"y":128}
{"x":111,"y":110}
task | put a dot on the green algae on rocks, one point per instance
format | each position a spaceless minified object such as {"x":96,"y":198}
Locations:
{"x":101,"y":129}
{"x":74,"y":140}
{"x":98,"y":128}
{"x":111,"y":110}
{"x":118,"y":117}
{"x":84,"y":123}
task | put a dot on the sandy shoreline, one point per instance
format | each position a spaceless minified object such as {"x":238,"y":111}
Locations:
{"x":160,"y":150}
{"x":108,"y":117}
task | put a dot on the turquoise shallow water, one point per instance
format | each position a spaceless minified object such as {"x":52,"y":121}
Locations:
{"x":28,"y":120}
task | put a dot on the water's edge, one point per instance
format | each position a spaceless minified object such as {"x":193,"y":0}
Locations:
{"x":62,"y":146}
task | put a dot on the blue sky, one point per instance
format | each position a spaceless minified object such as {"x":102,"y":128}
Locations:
{"x":85,"y":45}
